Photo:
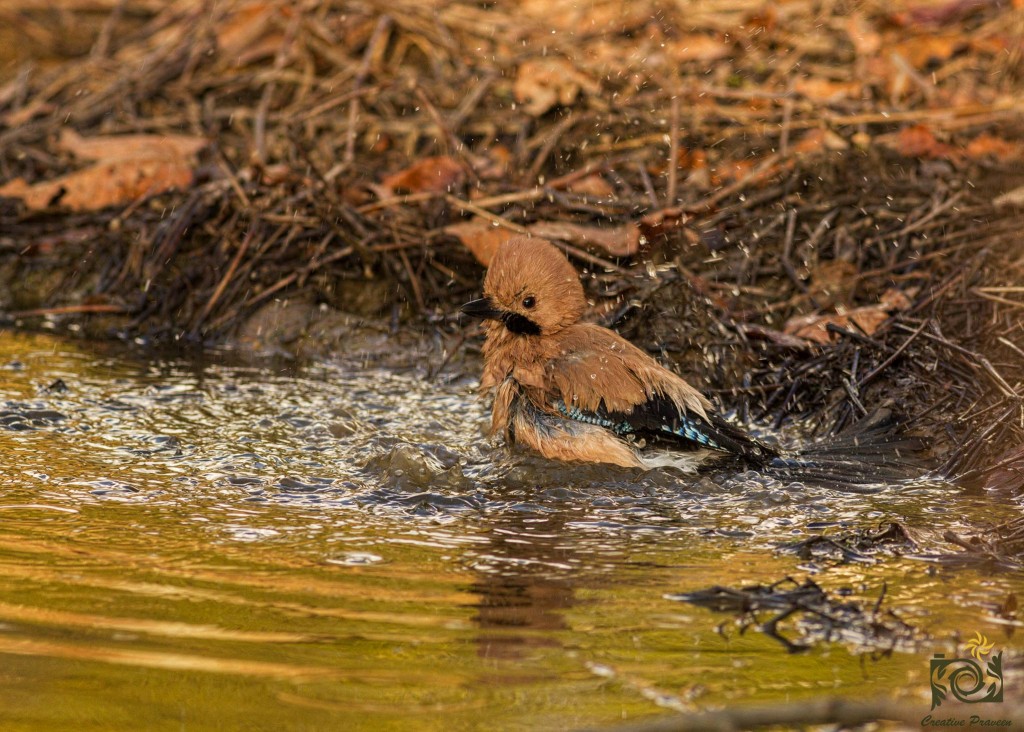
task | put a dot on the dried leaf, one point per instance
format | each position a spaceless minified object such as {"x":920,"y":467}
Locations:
{"x":924,"y":51}
{"x":620,"y":241}
{"x":894,"y":299}
{"x":832,"y":281}
{"x":815,"y":327}
{"x":439,"y":174}
{"x":481,"y":237}
{"x":110,"y":148}
{"x":819,"y":89}
{"x":592,"y":185}
{"x":996,"y":148}
{"x":819,"y":140}
{"x":104,"y":184}
{"x":129,"y":167}
{"x":244,"y":29}
{"x":698,"y":47}
{"x":917,"y":141}
{"x":273,"y":175}
{"x":542,"y":83}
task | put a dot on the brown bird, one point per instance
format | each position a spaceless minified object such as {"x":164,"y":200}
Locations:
{"x":576,"y":391}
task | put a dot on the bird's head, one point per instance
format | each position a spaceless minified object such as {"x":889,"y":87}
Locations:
{"x":530,"y":289}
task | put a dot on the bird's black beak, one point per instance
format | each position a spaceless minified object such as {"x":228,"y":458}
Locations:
{"x":482,"y":308}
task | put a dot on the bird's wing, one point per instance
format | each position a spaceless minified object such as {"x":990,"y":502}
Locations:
{"x":598,"y":377}
{"x":588,"y":365}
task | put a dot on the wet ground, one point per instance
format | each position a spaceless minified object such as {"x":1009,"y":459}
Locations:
{"x":228,"y":543}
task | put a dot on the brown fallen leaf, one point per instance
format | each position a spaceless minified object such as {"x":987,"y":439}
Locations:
{"x":244,"y":25}
{"x":992,"y":147}
{"x":619,"y":241}
{"x":819,"y":140}
{"x":819,"y":89}
{"x":248,"y":32}
{"x":540,"y":84}
{"x":109,"y":148}
{"x":481,"y":237}
{"x":130,"y":167}
{"x":918,"y":141}
{"x":592,"y":185}
{"x":103,"y":184}
{"x":866,"y":319}
{"x":440,"y":174}
{"x":814,"y":327}
{"x":273,"y":175}
{"x":698,"y":47}
{"x":923,"y":51}
{"x":894,"y":299}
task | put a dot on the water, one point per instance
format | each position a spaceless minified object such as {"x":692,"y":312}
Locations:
{"x":219,"y":543}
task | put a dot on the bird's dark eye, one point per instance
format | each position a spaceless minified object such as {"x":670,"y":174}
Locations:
{"x":529,"y":302}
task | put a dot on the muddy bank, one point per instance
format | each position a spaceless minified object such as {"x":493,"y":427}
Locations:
{"x":717,"y":176}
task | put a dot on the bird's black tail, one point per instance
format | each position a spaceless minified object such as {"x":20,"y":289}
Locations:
{"x":870,"y":453}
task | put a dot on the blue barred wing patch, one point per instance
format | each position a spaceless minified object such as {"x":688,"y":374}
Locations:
{"x":578,"y":415}
{"x":687,"y":428}
{"x":690,"y":430}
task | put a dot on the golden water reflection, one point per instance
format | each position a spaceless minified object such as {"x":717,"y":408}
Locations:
{"x":199,"y":546}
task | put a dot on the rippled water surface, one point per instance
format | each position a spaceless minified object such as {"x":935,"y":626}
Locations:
{"x":236,"y":544}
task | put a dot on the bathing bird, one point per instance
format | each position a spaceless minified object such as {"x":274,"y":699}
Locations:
{"x":576,"y":391}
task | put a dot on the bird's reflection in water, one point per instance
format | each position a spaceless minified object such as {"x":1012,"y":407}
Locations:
{"x":525,"y":585}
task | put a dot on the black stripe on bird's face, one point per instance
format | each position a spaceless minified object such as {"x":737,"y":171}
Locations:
{"x":514,"y":322}
{"x":519,"y":324}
